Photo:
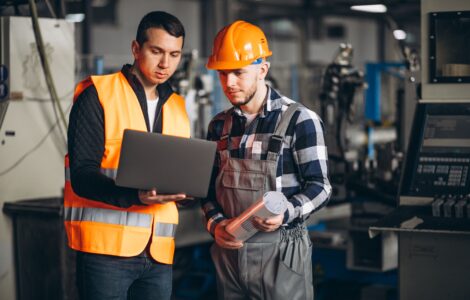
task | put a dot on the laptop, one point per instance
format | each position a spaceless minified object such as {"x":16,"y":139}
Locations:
{"x":170,"y":164}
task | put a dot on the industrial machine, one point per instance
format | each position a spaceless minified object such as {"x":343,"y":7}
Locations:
{"x":433,"y":214}
{"x":341,"y":81}
{"x":365,"y":150}
{"x":196,"y":86}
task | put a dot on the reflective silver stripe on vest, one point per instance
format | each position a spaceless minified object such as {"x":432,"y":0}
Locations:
{"x":108,"y":216}
{"x":111,"y":173}
{"x":165,"y":229}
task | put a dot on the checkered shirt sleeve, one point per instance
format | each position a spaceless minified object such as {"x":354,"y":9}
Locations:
{"x":302,"y":166}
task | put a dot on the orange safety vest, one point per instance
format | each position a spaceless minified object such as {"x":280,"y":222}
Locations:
{"x":96,"y":227}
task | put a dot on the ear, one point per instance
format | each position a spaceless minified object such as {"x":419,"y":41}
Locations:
{"x":135,"y":47}
{"x":263,"y":69}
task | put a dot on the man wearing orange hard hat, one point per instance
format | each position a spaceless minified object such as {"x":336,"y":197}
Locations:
{"x":266,"y":142}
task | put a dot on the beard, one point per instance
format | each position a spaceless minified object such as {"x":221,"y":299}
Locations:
{"x":250,"y":95}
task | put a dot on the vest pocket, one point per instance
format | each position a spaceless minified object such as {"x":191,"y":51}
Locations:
{"x":243,"y":180}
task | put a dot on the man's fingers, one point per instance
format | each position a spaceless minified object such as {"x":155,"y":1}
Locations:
{"x":225,"y":239}
{"x":258,"y":226}
{"x":265,"y":226}
{"x":171,"y":197}
{"x":152,"y":197}
{"x":229,"y":244}
{"x":261,"y":224}
{"x":270,"y":222}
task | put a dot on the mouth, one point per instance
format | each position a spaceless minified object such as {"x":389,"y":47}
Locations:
{"x":160,"y":75}
{"x":232,"y":92}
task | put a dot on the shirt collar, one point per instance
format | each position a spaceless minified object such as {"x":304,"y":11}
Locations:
{"x":164,"y":90}
{"x":272,"y":103}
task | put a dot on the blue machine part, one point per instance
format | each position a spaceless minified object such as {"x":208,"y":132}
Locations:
{"x":320,"y":226}
{"x":370,"y":144}
{"x":3,"y":91}
{"x":294,"y":83}
{"x":218,"y":95}
{"x":98,"y":62}
{"x":373,"y":92}
{"x":3,"y":73}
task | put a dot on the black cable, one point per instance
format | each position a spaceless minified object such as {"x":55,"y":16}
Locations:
{"x":51,"y":10}
{"x":36,"y":99}
{"x":32,"y":150}
{"x":45,"y":66}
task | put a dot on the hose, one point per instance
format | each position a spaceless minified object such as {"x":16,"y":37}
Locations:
{"x":46,"y":69}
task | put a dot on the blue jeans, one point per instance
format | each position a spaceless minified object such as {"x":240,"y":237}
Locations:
{"x":102,"y":277}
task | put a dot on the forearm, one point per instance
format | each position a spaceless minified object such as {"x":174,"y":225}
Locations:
{"x":212,"y":211}
{"x":313,"y":197}
{"x":213,"y":214}
{"x":86,"y":146}
{"x":89,"y":183}
{"x":310,"y":159}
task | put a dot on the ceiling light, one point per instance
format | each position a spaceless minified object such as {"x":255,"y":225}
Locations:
{"x":399,"y":34}
{"x":374,"y":8}
{"x":100,"y":3}
{"x":75,"y":18}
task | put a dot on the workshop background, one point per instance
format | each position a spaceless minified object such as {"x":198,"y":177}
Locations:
{"x":391,"y":82}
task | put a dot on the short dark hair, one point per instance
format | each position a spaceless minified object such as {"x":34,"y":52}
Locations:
{"x":159,"y":19}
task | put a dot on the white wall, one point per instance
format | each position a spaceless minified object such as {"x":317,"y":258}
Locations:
{"x":31,"y":164}
{"x":361,"y":34}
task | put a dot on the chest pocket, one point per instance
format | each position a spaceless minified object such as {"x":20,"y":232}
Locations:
{"x":244,"y":180}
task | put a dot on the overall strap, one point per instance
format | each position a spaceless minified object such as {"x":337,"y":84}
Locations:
{"x":224,"y":142}
{"x":275,"y":142}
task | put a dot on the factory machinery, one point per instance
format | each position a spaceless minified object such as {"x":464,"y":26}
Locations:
{"x":423,"y":218}
{"x":408,"y":186}
{"x":365,"y":155}
{"x":432,"y":217}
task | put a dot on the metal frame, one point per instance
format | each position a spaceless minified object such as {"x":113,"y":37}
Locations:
{"x":433,"y":77}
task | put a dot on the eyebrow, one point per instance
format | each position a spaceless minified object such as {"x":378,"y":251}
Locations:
{"x":163,"y":50}
{"x":230,"y":70}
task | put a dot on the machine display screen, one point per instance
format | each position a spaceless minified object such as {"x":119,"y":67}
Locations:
{"x":442,"y":158}
{"x":448,"y":133}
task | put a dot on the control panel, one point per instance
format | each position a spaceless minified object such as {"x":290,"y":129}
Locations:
{"x":438,"y":159}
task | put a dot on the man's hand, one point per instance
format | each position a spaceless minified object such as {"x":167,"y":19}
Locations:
{"x":269,"y":224}
{"x":225,"y":239}
{"x":151,"y":197}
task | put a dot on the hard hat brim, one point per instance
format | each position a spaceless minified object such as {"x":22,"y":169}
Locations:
{"x":230,"y":65}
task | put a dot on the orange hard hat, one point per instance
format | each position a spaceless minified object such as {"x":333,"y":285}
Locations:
{"x":238,"y":45}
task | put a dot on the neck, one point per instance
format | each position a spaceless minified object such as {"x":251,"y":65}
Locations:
{"x":149,"y":88}
{"x":254,"y":106}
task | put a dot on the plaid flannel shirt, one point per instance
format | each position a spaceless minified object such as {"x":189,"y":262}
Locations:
{"x":302,"y":165}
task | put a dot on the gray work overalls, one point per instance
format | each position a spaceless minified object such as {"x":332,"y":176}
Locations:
{"x":270,"y":265}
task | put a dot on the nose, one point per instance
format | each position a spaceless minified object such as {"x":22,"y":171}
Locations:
{"x":230,"y":79}
{"x":164,"y":61}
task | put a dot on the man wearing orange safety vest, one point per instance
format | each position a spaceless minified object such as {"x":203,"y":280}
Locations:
{"x":124,"y":237}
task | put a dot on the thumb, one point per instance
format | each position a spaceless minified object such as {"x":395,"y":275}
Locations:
{"x":270,"y":221}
